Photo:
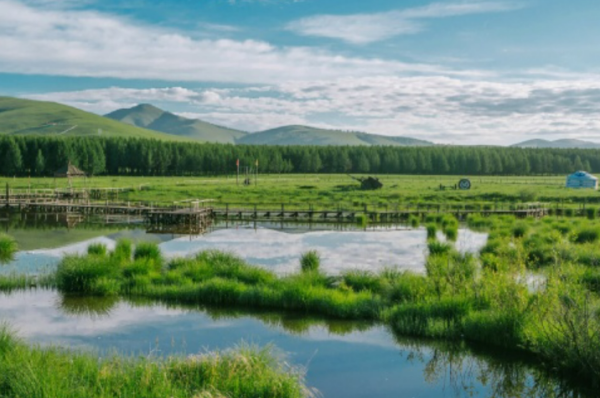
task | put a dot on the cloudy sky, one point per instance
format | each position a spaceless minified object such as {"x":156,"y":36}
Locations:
{"x":451,"y":71}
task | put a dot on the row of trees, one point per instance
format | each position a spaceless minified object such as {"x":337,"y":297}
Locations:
{"x":41,"y":156}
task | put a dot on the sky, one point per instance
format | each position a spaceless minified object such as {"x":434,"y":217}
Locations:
{"x":460,"y":72}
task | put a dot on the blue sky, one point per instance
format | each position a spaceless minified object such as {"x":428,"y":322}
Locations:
{"x":454,"y":71}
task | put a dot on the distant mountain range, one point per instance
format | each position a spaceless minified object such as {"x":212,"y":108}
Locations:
{"x":564,"y":143}
{"x":150,"y":117}
{"x":27,"y":117}
{"x":153,"y":118}
{"x":305,"y":135}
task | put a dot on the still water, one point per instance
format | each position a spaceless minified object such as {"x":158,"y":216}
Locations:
{"x":341,"y":358}
{"x":273,"y":246}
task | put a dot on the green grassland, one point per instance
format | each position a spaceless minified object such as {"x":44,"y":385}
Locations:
{"x":27,"y":117}
{"x":331,"y":191}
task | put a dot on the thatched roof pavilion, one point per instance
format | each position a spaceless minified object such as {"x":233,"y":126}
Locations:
{"x":68,"y":172}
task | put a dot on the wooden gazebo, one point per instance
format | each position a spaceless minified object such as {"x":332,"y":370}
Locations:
{"x":69,"y":171}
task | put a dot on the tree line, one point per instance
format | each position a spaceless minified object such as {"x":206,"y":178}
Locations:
{"x":42,"y":156}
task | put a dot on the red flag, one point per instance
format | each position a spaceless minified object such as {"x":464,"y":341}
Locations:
{"x":237,"y":163}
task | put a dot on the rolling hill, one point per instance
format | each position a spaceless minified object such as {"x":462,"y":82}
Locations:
{"x":564,"y":143}
{"x":29,"y":117}
{"x":305,"y":135}
{"x":153,"y":118}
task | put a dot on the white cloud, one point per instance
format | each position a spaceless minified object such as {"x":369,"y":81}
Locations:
{"x":367,"y":28}
{"x":443,"y":109}
{"x":37,"y":40}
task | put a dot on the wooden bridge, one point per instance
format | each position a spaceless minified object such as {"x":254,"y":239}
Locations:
{"x":342,"y":215}
{"x":187,"y":217}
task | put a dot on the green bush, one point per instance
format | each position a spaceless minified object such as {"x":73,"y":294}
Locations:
{"x":587,"y":235}
{"x":87,"y":275}
{"x":520,"y":229}
{"x":413,"y":221}
{"x":591,"y":213}
{"x":123,"y":250}
{"x":97,"y":249}
{"x":148,"y":251}
{"x":310,"y":261}
{"x":8,"y":248}
{"x":437,"y":248}
{"x":431,"y":231}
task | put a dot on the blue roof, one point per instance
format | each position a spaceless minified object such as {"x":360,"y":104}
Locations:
{"x":582,"y":175}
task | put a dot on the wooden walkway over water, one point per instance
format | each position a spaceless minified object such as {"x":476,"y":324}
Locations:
{"x":353,"y":215}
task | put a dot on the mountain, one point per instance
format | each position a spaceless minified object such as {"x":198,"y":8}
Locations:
{"x":22,"y":117}
{"x":564,"y":143}
{"x":304,"y":135}
{"x":153,"y":118}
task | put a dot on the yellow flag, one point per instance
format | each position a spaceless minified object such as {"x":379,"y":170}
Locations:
{"x":256,"y":162}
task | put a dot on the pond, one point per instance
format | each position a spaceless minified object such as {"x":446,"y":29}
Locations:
{"x":341,"y":358}
{"x":275,"y":246}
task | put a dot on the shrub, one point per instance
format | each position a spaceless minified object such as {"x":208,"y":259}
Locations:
{"x":437,"y":248}
{"x":360,"y":280}
{"x":8,"y":248}
{"x":591,"y":213}
{"x":86,"y":275}
{"x":451,"y":232}
{"x":310,"y":261}
{"x":413,"y":221}
{"x":148,"y":251}
{"x":528,"y":195}
{"x":520,"y":229}
{"x":569,"y":212}
{"x":123,"y":250}
{"x":431,"y":231}
{"x":97,"y":249}
{"x":587,"y":235}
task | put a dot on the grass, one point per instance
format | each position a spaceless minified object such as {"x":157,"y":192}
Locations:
{"x":333,"y":191}
{"x":245,"y":371}
{"x":310,"y":261}
{"x":8,"y":249}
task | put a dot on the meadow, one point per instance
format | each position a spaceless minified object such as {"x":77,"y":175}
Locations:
{"x":330,"y":191}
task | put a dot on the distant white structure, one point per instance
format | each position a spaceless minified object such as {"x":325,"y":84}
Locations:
{"x":582,"y":179}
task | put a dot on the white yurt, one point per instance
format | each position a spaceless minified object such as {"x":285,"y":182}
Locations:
{"x":582,"y":179}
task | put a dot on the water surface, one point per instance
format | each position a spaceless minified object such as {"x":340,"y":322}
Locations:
{"x":342,"y":358}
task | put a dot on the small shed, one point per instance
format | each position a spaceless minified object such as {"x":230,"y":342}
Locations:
{"x":582,"y":179}
{"x":68,"y":171}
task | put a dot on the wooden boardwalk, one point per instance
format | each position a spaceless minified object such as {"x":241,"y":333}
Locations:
{"x":189,"y":217}
{"x":352,"y":215}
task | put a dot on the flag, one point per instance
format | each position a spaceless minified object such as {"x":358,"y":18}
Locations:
{"x":237,"y":163}
{"x":256,"y":162}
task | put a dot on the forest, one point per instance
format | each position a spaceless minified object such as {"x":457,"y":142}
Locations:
{"x":42,"y":156}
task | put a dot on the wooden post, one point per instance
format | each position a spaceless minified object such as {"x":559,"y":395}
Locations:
{"x":7,"y":195}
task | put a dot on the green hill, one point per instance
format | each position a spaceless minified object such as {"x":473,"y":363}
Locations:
{"x":564,"y":143}
{"x":304,"y":135}
{"x":27,"y":117}
{"x":153,"y":118}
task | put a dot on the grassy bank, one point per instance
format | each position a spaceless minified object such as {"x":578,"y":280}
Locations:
{"x":56,"y":373}
{"x":331,"y":190}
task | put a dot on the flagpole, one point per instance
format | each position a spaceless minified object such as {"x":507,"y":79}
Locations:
{"x":256,"y":174}
{"x":237,"y":179}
